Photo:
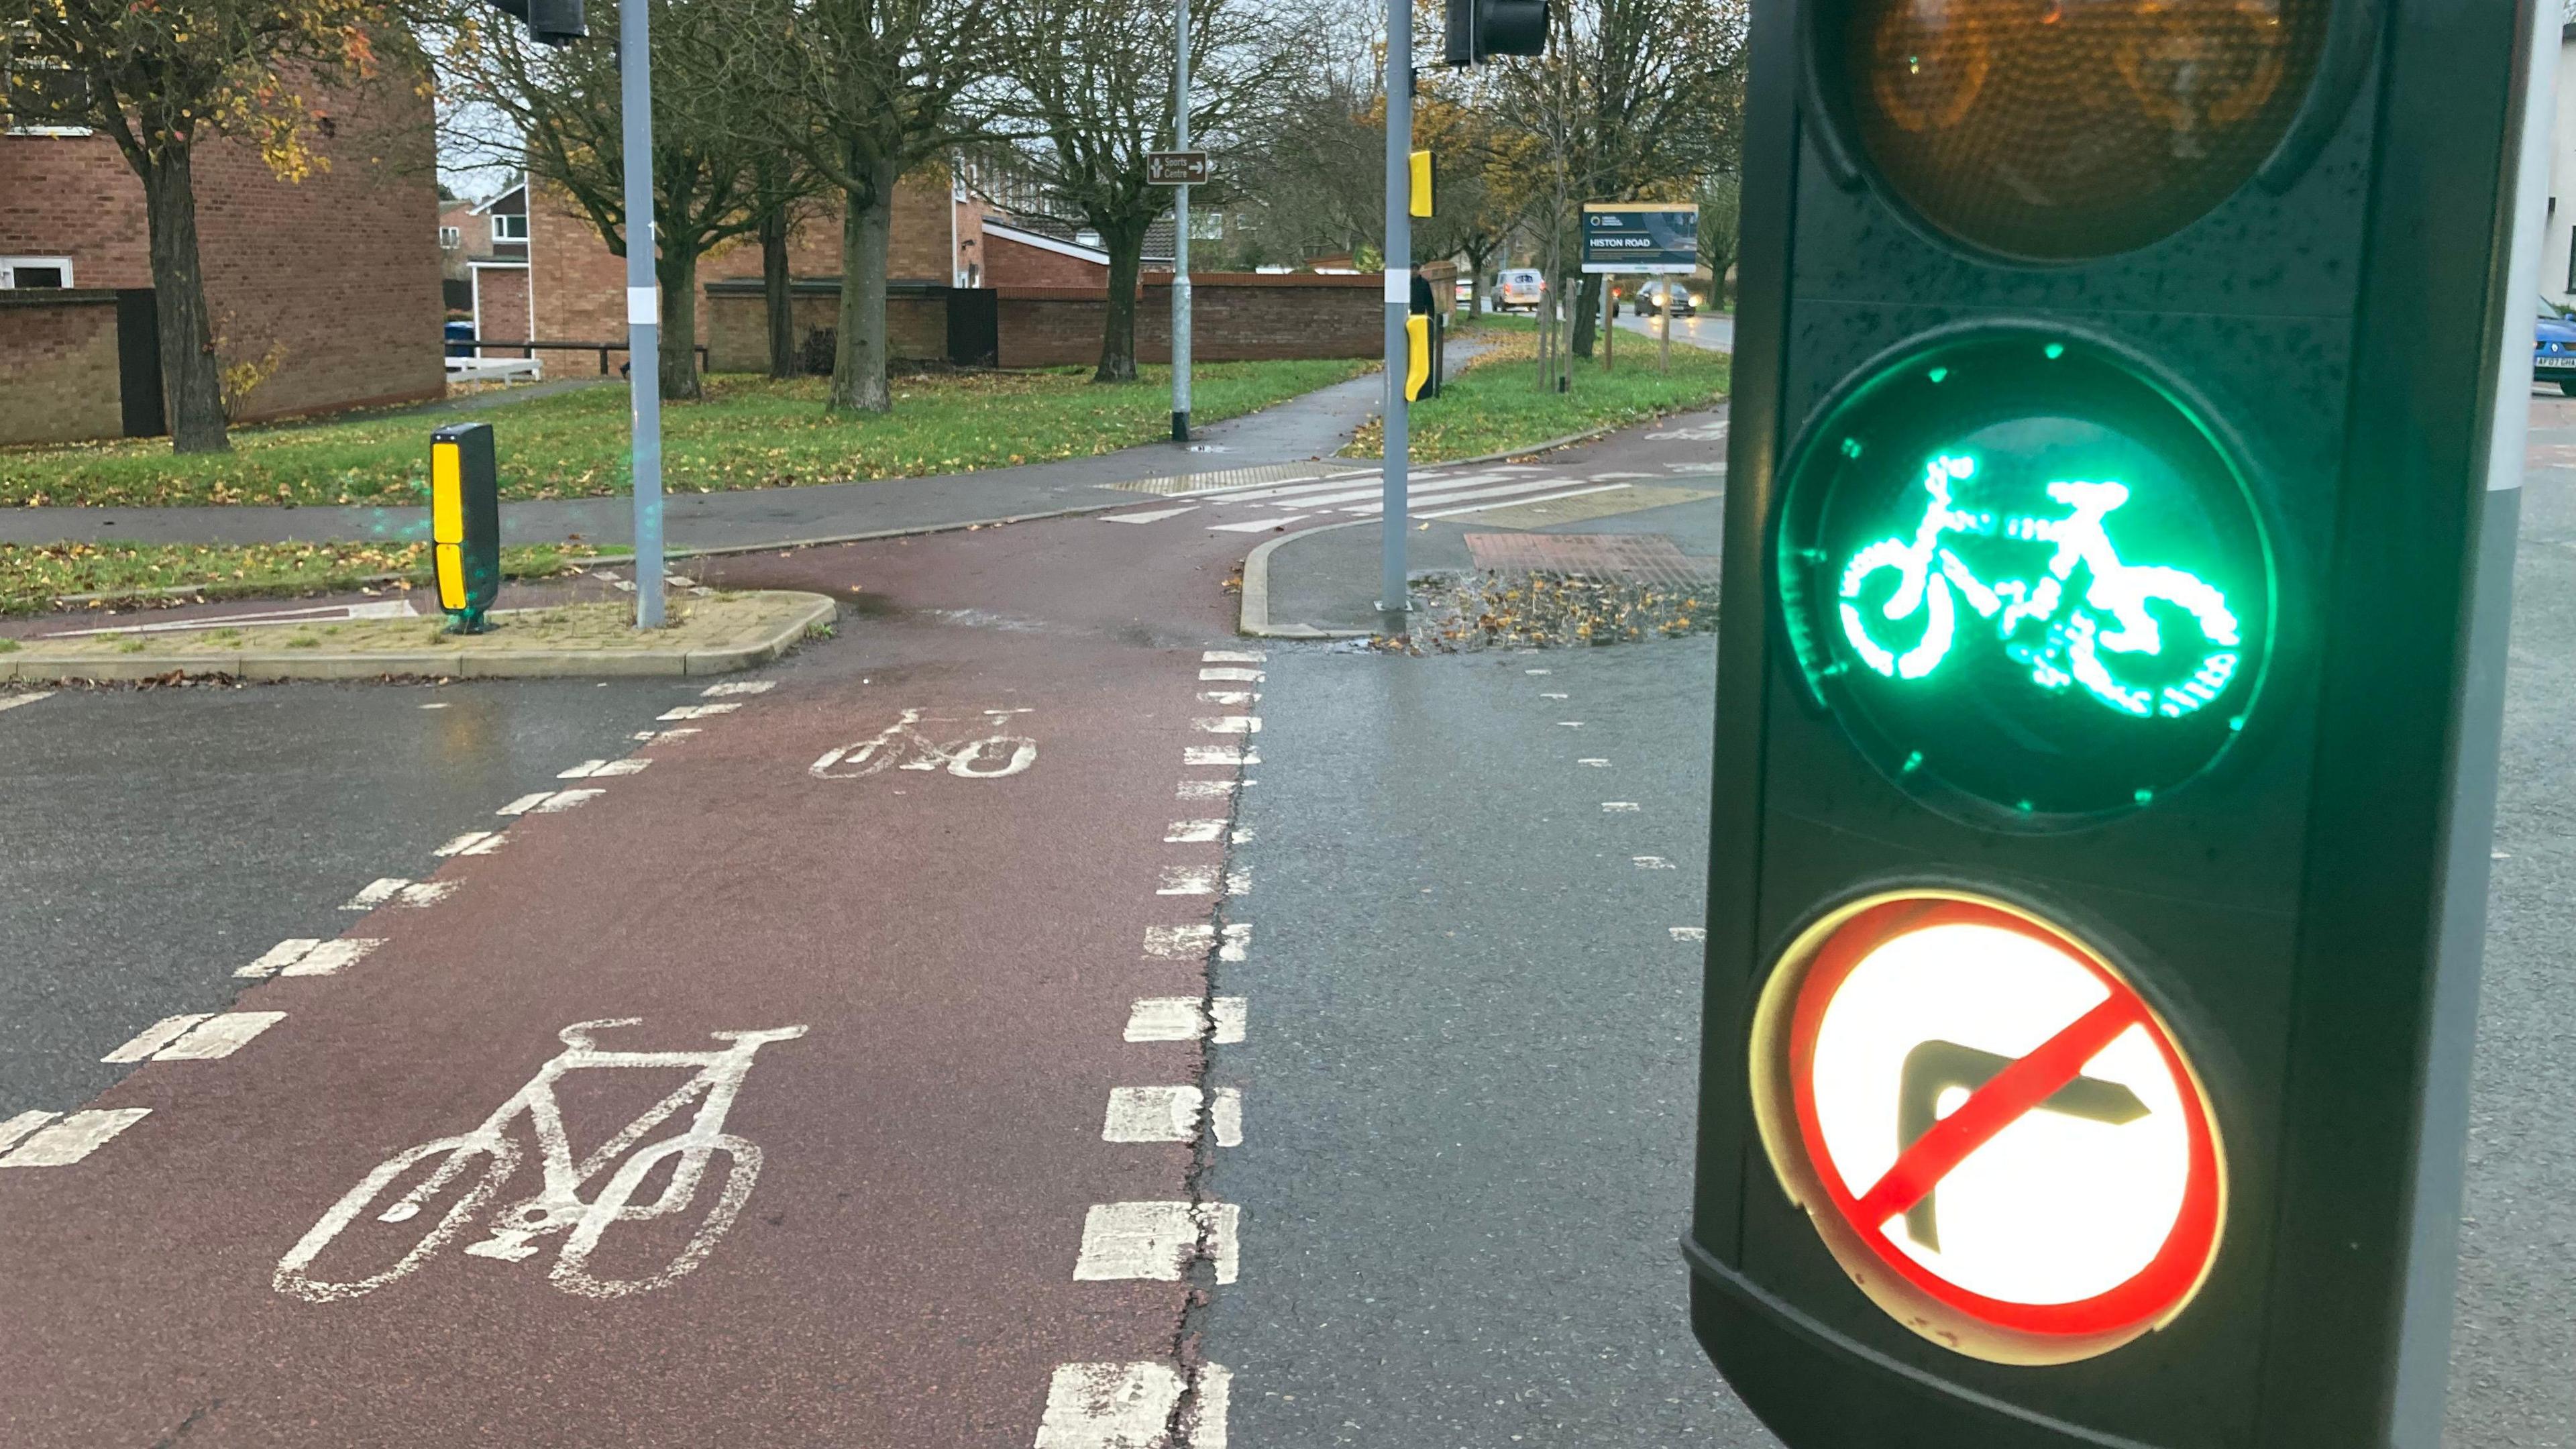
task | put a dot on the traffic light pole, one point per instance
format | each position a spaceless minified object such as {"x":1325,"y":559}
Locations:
{"x":1392,"y":602}
{"x":1181,"y":233}
{"x":643,"y":305}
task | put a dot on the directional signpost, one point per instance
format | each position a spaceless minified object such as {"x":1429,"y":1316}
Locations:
{"x":2126,"y":446}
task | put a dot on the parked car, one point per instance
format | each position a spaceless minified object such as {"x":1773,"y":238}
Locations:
{"x":2553,"y":349}
{"x":1520,"y":289}
{"x":1650,"y":298}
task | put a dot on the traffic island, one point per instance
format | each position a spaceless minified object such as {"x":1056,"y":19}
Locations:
{"x":711,"y":633}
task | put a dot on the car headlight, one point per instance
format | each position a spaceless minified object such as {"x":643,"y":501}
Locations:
{"x":1694,"y":299}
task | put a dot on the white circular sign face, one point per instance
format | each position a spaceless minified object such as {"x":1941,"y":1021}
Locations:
{"x":1991,"y":1129}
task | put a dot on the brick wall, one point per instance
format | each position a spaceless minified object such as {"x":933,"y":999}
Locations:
{"x":1234,"y":316}
{"x":580,"y":286}
{"x":501,"y":306}
{"x":58,"y":381}
{"x":735,"y":323}
{"x":1010,"y":262}
{"x":328,"y":286}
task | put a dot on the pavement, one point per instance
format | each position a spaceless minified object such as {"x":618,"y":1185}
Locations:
{"x":1313,"y":426}
{"x":1199,"y":1040}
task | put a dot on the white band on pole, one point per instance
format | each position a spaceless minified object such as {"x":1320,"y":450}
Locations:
{"x":643,"y":306}
{"x":1399,"y":285}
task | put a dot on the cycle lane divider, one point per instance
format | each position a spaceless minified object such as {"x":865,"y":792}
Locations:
{"x":962,"y":956}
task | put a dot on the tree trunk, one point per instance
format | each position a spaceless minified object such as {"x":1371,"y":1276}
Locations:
{"x":1587,"y":314}
{"x":676,"y":268}
{"x":859,"y":359}
{"x":1126,"y":248}
{"x":774,"y":294}
{"x":191,"y":377}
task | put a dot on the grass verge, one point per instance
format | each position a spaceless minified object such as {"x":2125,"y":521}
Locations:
{"x":748,"y":432}
{"x":33,"y":577}
{"x":1494,"y":405}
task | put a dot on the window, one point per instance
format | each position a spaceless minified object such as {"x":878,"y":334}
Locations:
{"x":450,"y":238}
{"x":27,"y":273}
{"x":509,"y":227}
{"x":40,"y":96}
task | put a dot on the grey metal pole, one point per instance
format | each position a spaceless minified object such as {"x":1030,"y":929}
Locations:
{"x":1664,"y":316}
{"x":1181,"y":237}
{"x":643,"y":304}
{"x":1392,"y":522}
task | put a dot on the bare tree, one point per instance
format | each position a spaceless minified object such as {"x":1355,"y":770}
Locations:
{"x":159,"y":78}
{"x":1092,"y":90}
{"x":877,"y":87}
{"x":563,"y":104}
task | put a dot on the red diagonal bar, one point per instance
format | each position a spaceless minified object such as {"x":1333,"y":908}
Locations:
{"x":1993,"y":1107}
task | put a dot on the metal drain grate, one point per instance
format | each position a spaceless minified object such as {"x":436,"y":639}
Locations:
{"x":1238,"y":477}
{"x":1645,"y":557}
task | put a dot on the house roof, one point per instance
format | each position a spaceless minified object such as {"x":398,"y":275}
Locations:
{"x":1067,"y":237}
{"x":518,"y":188}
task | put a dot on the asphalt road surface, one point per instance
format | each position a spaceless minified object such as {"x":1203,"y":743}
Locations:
{"x":984,"y":1034}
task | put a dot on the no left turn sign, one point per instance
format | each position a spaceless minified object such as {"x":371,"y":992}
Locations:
{"x":1996,"y":1136}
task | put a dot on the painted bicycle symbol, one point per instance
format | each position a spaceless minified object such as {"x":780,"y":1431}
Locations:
{"x":2096,"y":634}
{"x":903,"y":747}
{"x":558,"y":1205}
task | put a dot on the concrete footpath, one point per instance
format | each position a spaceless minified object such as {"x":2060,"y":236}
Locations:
{"x":1314,"y":426}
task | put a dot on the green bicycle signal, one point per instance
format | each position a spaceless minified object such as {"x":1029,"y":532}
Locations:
{"x":2096,"y":633}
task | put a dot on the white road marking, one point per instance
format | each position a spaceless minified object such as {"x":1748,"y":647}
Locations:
{"x":1596,"y":763}
{"x":524,"y":803}
{"x":1187,"y":880}
{"x":1154,"y":516}
{"x":1511,"y":502}
{"x":317,"y":614}
{"x":1689,"y":933}
{"x":1205,"y":789}
{"x":1179,"y":1018}
{"x":376,"y":893}
{"x":656,"y":737}
{"x":441,"y":704}
{"x":284,"y":953}
{"x":739,"y":686}
{"x":1192,"y":832}
{"x":1232,"y":676}
{"x":1572,"y":724}
{"x":1125,"y":1241}
{"x":1618,"y":807}
{"x":156,"y":1036}
{"x":12,"y":701}
{"x":487,"y":1154}
{"x":1190,"y":943}
{"x":1228,"y":724}
{"x":1130,"y":1406}
{"x":1259,"y":525}
{"x":22,"y":1124}
{"x":1219,"y":755}
{"x":473,"y":842}
{"x":1547,"y":695}
{"x":219,"y":1036}
{"x":60,"y":1144}
{"x":330,"y":956}
{"x":563,"y":800}
{"x":697,"y":711}
{"x":1615,"y":477}
{"x":1351,"y":490}
{"x":425,"y":893}
{"x":1653,"y":862}
{"x":1171,"y":1114}
{"x":1235,"y":698}
{"x":589,"y":769}
{"x":1239,"y":882}
{"x":1234,"y":656}
{"x":1535,"y":671}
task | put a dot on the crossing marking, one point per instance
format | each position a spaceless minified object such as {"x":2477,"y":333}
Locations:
{"x":1219,"y":755}
{"x":1653,"y":862}
{"x":1171,"y":1114}
{"x":1259,"y":525}
{"x":1689,"y":933}
{"x":473,"y":842}
{"x":1231,"y":724}
{"x":1183,"y":1018}
{"x":63,"y":1142}
{"x":1130,"y":1406}
{"x":738,"y":686}
{"x":395,"y":891}
{"x":1155,"y":1241}
{"x":1193,"y":832}
{"x":1619,"y":807}
{"x":1595,"y":762}
{"x":1234,"y":656}
{"x":1192,"y":943}
{"x":1205,"y":789}
{"x":1232,"y":675}
{"x":550,"y":802}
{"x":284,"y":953}
{"x":195,"y":1037}
{"x":697,"y":711}
{"x":1153,"y":516}
{"x":589,"y":769}
{"x":330,"y":957}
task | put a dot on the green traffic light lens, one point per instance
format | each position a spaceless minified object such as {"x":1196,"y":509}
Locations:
{"x":2025,"y":581}
{"x":2059,"y":129}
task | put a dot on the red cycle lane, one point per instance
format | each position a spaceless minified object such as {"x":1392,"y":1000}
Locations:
{"x":864,"y":1021}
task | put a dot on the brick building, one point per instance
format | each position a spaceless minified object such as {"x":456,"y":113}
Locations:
{"x":324,"y":293}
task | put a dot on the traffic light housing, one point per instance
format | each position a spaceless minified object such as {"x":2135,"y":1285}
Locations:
{"x":2119,"y":530}
{"x":549,"y":22}
{"x":1481,"y":29}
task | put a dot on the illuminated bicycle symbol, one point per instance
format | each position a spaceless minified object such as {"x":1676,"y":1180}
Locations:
{"x":2088,"y":635}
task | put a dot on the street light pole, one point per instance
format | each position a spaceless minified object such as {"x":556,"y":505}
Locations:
{"x":1392,"y":602}
{"x":1181,"y":235}
{"x":643,"y":304}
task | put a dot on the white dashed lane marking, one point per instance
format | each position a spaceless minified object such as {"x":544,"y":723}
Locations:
{"x":1619,"y":807}
{"x":1234,"y":656}
{"x":1154,"y":516}
{"x":1157,"y":1241}
{"x":303,"y":956}
{"x":1130,"y":1406}
{"x":1653,"y":862}
{"x":1689,"y":933}
{"x":1232,"y":675}
{"x":473,"y":842}
{"x":656,"y":737}
{"x":600,"y":769}
{"x":196,"y":1037}
{"x":549,"y":802}
{"x":1237,"y":698}
{"x":1219,"y":755}
{"x":1598,"y":764}
{"x":52,"y":1142}
{"x":739,"y":686}
{"x":12,"y":701}
{"x":1191,"y":943}
{"x":395,"y":891}
{"x":697,"y":711}
{"x":1230,"y":724}
{"x":1206,"y":789}
{"x":1192,"y":832}
{"x":1171,"y":1114}
{"x":1201,"y":880}
{"x":1180,"y":1018}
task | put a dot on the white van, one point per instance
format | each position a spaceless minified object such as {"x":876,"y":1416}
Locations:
{"x":1519,"y":289}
